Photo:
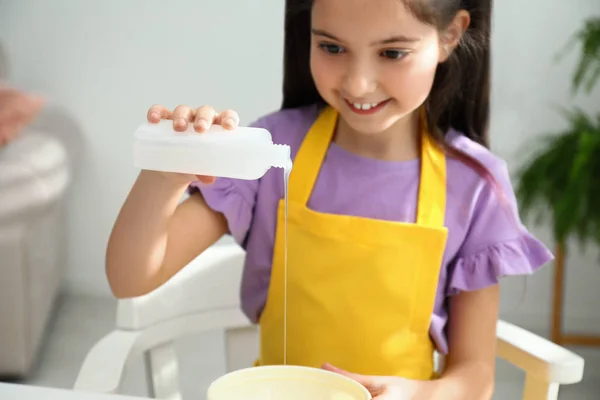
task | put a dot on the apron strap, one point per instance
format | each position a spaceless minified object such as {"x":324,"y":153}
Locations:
{"x":432,"y":189}
{"x":310,"y":156}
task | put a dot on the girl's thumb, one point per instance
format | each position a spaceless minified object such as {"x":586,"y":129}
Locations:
{"x":362,"y":379}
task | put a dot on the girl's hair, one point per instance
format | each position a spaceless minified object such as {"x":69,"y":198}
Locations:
{"x":460,"y":95}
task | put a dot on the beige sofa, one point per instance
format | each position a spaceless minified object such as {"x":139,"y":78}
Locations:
{"x":35,"y":175}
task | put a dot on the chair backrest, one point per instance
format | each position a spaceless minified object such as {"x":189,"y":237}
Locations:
{"x":211,"y":282}
{"x":205,"y":296}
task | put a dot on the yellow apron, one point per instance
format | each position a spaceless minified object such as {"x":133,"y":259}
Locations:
{"x":360,"y":292}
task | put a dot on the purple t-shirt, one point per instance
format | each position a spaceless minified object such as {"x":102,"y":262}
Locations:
{"x":484,"y":242}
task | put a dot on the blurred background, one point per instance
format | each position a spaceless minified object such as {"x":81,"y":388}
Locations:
{"x":66,"y":162}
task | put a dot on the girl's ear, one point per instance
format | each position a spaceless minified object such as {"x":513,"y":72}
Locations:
{"x":451,"y":36}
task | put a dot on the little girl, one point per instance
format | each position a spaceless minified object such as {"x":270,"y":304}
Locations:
{"x":401,"y":222}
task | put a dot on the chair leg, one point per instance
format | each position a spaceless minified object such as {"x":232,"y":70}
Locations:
{"x":241,"y":347}
{"x":538,"y":389}
{"x":162,"y":372}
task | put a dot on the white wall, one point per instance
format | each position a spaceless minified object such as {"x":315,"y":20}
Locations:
{"x":108,"y":61}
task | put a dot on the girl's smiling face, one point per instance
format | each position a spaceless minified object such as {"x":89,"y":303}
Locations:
{"x":372,"y":60}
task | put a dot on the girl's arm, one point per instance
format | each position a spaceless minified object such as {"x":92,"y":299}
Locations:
{"x":154,"y":236}
{"x":469,"y":372}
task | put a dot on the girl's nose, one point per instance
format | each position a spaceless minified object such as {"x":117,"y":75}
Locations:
{"x":360,"y":80}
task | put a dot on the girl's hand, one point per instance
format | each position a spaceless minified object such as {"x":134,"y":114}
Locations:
{"x":202,"y":118}
{"x":390,"y":387}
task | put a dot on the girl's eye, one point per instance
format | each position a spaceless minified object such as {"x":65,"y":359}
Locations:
{"x":331,"y":48}
{"x":393,"y":54}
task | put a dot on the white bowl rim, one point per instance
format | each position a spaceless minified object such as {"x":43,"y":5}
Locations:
{"x":296,"y":367}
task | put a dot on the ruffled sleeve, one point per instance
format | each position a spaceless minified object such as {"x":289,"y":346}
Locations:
{"x":521,"y":256}
{"x":497,"y":244}
{"x":234,"y":198}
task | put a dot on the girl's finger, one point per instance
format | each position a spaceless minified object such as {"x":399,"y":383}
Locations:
{"x":158,"y":112}
{"x":373,"y":384}
{"x":181,"y":117}
{"x":228,"y":119}
{"x":205,"y":116}
{"x":362,"y":379}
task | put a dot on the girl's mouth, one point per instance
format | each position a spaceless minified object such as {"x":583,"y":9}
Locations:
{"x":366,"y":108}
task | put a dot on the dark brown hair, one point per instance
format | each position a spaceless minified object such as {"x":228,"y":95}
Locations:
{"x":460,"y":95}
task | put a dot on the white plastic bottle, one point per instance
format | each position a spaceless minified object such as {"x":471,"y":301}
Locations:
{"x":243,"y":153}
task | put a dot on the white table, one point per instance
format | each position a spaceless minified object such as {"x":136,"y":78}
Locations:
{"x":11,"y":391}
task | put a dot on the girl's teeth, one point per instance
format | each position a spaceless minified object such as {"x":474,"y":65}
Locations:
{"x":366,"y":106}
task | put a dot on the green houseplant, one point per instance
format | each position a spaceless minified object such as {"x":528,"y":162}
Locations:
{"x":562,"y":179}
{"x":561,"y":182}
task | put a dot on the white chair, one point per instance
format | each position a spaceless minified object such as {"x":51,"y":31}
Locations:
{"x":205,"y":296}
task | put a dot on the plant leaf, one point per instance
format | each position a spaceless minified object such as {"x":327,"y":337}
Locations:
{"x":562,"y":180}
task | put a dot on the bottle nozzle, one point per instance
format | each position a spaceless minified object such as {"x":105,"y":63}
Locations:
{"x":281,"y":156}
